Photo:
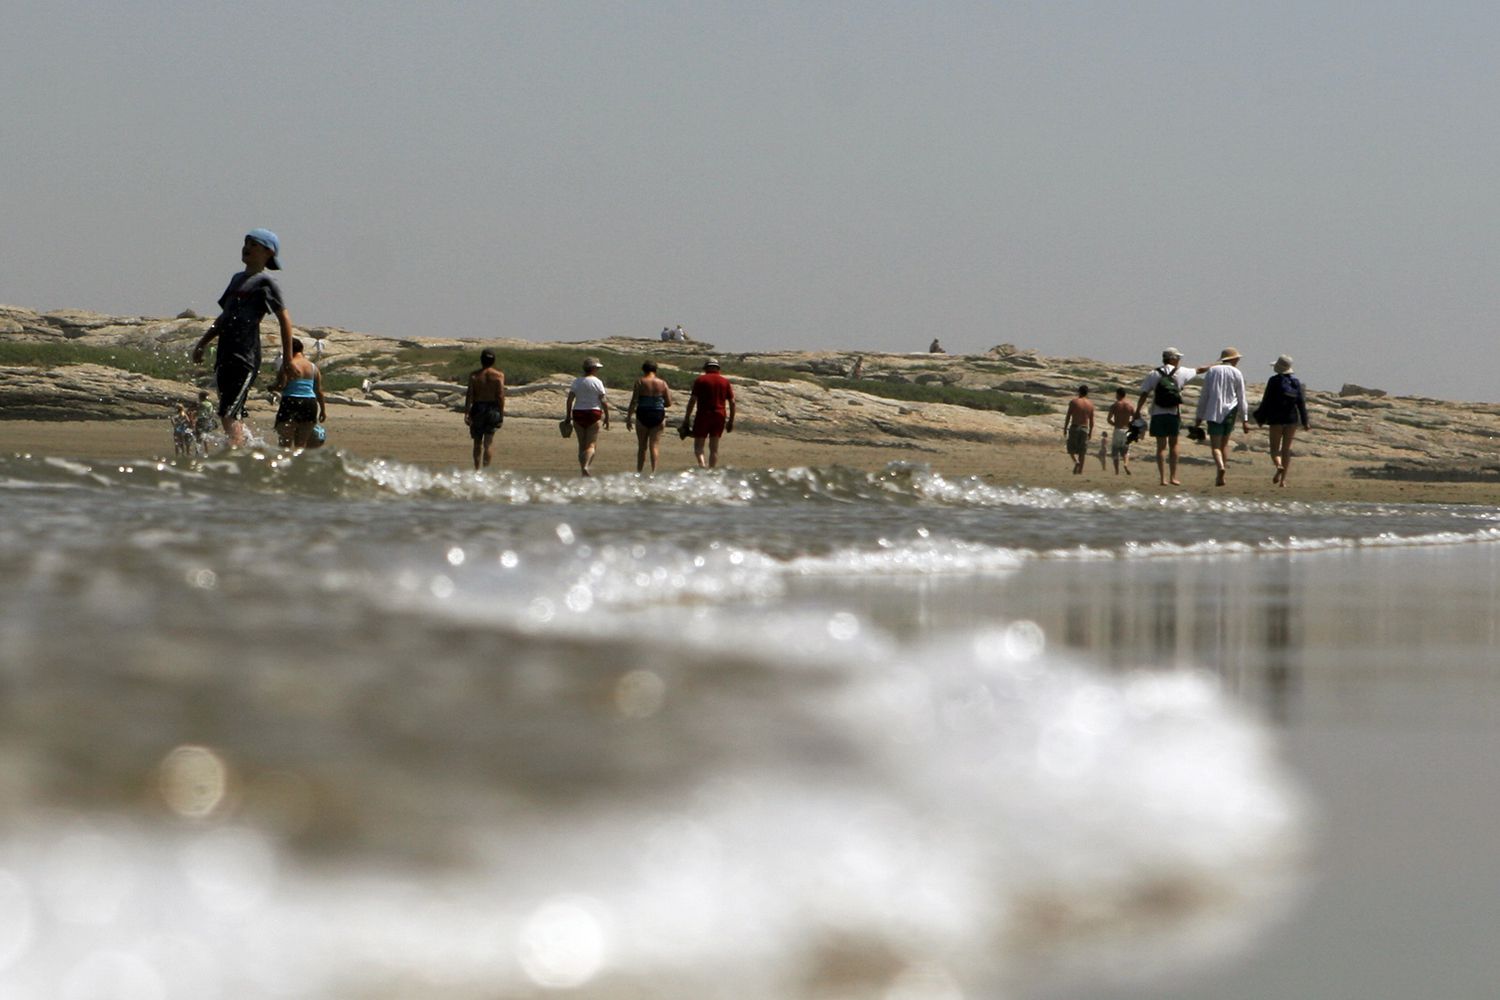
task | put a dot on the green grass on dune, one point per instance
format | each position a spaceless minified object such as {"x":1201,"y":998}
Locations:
{"x":521,"y":366}
{"x":173,"y":363}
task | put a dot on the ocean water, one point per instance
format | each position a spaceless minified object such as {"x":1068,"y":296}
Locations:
{"x":321,"y":726}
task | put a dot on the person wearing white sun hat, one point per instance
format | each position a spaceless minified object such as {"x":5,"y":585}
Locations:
{"x":587,"y":406}
{"x":1283,"y":406}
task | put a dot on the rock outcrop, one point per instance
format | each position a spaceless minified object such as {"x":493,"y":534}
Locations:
{"x":818,"y":400}
{"x":85,"y":392}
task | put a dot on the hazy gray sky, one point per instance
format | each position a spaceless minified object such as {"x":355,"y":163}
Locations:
{"x":1091,"y":178}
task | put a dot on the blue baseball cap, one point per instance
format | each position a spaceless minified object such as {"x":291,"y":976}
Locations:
{"x":267,"y":239}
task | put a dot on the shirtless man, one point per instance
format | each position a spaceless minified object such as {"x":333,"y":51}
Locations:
{"x":484,"y":406}
{"x":1120,"y":416}
{"x":1078,"y":428}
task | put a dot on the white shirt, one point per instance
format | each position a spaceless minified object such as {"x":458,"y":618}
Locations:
{"x":1223,"y":390}
{"x":1182,"y":376}
{"x":588,"y":393}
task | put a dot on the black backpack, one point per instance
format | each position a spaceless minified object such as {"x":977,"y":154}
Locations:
{"x":1168,"y":392}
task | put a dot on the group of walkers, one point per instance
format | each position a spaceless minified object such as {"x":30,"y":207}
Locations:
{"x":1221,"y":404}
{"x":253,"y":294}
{"x":708,"y":417}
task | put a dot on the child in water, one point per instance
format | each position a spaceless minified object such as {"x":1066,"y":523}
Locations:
{"x":182,"y":430}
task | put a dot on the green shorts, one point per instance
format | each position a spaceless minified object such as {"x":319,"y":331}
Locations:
{"x":1165,"y":425}
{"x":1224,"y":428}
{"x":1078,"y":441}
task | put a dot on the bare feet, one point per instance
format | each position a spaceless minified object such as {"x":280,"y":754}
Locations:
{"x":1219,"y":479}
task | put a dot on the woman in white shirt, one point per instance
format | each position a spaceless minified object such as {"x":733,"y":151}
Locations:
{"x":587,"y":406}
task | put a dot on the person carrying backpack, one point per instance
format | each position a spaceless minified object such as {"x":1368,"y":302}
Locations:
{"x":1163,"y":388}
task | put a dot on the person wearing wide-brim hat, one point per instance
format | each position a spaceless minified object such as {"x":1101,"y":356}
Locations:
{"x":1283,"y":406}
{"x":1220,"y":402}
{"x":712,"y":396}
{"x":587,"y":406}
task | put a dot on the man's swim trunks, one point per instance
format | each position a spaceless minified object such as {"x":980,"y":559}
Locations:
{"x":484,"y":418}
{"x":651,"y":411}
{"x":1119,"y":444}
{"x":1166,"y":425}
{"x":586,"y":418}
{"x":235,"y":380}
{"x":707,"y":425}
{"x":1078,"y":440}
{"x":1225,"y":427}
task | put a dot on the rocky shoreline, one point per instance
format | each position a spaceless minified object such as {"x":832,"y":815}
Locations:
{"x":1380,"y":435}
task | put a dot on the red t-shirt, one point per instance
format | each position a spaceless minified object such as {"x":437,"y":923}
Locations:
{"x":713,"y":392}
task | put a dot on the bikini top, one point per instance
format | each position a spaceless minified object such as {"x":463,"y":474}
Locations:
{"x":300,"y":388}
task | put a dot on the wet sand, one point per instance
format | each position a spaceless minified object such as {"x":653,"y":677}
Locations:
{"x":435,"y":438}
{"x":1376,"y":670}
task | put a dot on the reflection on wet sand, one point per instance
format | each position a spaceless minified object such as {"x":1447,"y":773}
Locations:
{"x":1310,"y":632}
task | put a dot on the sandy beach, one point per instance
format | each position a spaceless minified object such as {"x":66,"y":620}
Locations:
{"x":529,"y":443}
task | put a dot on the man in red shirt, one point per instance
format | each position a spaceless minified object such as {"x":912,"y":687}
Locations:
{"x":713,"y":399}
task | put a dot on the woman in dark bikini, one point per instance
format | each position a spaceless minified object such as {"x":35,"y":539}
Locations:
{"x":648,"y":412}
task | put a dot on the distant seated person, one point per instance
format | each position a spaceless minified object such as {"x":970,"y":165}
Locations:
{"x":666,"y":333}
{"x":936,"y":348}
{"x":680,"y":334}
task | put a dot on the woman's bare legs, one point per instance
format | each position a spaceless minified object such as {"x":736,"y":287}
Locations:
{"x":1281,"y":450}
{"x":588,"y":438}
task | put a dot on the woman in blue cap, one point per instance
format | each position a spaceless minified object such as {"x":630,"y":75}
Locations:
{"x":250,"y":296}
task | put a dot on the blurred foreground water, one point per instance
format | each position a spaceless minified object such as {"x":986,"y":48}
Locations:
{"x":317,"y":726}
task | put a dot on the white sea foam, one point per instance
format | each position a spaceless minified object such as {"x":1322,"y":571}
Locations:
{"x":984,"y":808}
